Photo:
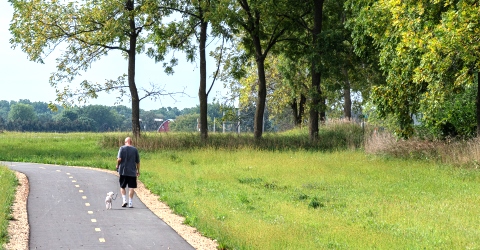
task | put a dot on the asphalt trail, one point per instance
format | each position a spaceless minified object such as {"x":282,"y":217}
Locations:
{"x":66,"y":210}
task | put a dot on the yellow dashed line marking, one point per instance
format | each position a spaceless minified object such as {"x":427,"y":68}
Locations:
{"x":87,"y":204}
{"x":77,"y":186}
{"x":94,"y":220}
{"x":68,"y":173}
{"x":97,"y":229}
{"x":74,"y":181}
{"x":90,"y":212}
{"x":101,"y":240}
{"x":84,"y":197}
{"x":80,"y":191}
{"x":42,"y":168}
{"x":71,"y":177}
{"x":58,"y":170}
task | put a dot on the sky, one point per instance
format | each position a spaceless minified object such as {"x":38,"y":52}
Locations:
{"x":23,"y":79}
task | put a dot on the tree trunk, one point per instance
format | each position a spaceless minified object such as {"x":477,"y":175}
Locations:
{"x":301,"y":111}
{"x":262,"y":89}
{"x":202,"y":91}
{"x":347,"y":106}
{"x":298,"y":109}
{"x":316,"y":75}
{"x":477,"y":102}
{"x":131,"y":74}
{"x":294,"y":106}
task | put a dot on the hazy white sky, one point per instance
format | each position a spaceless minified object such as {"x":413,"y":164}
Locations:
{"x":23,"y":79}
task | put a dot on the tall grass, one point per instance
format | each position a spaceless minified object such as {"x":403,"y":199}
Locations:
{"x":464,"y":153}
{"x":335,"y":135}
{"x":8,"y":183}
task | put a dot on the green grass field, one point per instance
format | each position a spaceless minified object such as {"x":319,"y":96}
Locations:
{"x":289,"y":199}
{"x":8,"y":183}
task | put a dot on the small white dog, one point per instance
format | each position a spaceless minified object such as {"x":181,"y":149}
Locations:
{"x":108,"y":200}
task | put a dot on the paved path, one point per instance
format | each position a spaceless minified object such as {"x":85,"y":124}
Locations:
{"x":66,"y":210}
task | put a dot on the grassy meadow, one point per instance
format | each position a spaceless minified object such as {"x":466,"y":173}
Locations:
{"x":272,"y":195}
{"x":8,"y":183}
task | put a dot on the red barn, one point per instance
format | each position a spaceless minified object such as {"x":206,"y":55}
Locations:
{"x":164,"y":126}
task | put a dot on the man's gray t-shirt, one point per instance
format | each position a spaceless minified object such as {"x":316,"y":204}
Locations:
{"x":130,"y":158}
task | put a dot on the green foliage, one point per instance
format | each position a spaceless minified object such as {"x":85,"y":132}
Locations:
{"x":454,"y":116}
{"x":22,"y":112}
{"x":427,"y":52}
{"x":185,"y":123}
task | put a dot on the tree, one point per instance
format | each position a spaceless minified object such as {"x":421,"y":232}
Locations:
{"x":260,"y":25}
{"x":286,"y":89}
{"x":185,"y":123}
{"x":450,"y":62}
{"x":315,"y":90}
{"x":105,"y":118}
{"x":22,"y":112}
{"x":4,"y":109}
{"x":197,"y":16}
{"x":148,"y":120}
{"x":89,"y":31}
{"x":428,"y":51}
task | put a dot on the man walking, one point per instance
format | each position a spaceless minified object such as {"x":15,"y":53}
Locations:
{"x":128,"y":167}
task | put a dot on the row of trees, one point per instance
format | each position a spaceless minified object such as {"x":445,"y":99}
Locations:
{"x":389,"y":59}
{"x":36,"y":116}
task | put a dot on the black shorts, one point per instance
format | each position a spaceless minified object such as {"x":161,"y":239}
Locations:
{"x":129,"y":181}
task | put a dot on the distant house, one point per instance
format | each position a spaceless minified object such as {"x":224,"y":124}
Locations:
{"x":164,"y":127}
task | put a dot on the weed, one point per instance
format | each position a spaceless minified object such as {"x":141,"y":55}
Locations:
{"x":316,"y":203}
{"x":272,"y":185}
{"x":174,"y":158}
{"x":249,"y":180}
{"x":302,"y":197}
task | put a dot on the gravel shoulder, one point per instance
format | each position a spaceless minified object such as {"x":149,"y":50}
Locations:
{"x":18,"y":229}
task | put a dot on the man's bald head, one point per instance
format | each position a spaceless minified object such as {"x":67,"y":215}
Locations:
{"x":128,"y":141}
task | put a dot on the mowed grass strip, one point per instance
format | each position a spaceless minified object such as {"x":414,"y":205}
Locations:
{"x":252,"y":199}
{"x":309,"y":200}
{"x":8,"y":184}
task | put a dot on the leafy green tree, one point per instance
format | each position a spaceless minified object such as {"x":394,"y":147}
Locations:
{"x":104,"y":117}
{"x":89,"y":30}
{"x":196,"y":19}
{"x":456,"y":116}
{"x":286,"y":89}
{"x":22,"y":112}
{"x":260,"y":25}
{"x":72,"y":115}
{"x":427,"y":50}
{"x":148,"y":120}
{"x":4,"y":109}
{"x":185,"y":123}
{"x":85,"y":124}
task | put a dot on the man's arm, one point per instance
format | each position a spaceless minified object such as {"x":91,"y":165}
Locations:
{"x":138,"y":169}
{"x":118,"y":162}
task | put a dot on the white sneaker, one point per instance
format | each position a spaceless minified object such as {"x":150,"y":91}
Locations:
{"x":130,"y":204}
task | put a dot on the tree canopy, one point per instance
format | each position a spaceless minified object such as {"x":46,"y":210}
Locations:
{"x":412,"y":62}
